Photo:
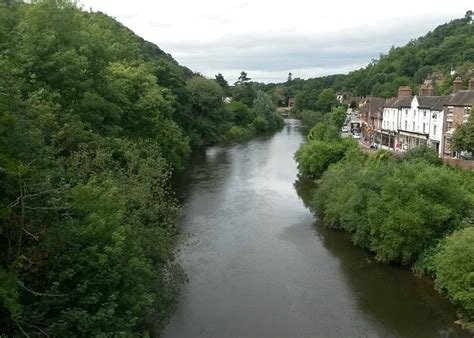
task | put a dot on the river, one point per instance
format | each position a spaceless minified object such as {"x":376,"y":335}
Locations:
{"x":259,"y":267}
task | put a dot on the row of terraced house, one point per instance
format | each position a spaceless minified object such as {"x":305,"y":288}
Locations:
{"x":408,"y":120}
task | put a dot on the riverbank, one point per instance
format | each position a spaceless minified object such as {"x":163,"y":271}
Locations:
{"x":409,"y":210}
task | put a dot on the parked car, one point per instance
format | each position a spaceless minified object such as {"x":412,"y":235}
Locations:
{"x":345,"y":130}
{"x":356,"y":136}
{"x":466,"y":155}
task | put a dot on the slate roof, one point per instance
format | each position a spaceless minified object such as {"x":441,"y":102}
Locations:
{"x":433,"y":102}
{"x":462,"y":98}
{"x":404,"y":101}
{"x":376,"y":104}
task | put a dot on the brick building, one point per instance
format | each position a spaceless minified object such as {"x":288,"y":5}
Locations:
{"x":457,"y":111}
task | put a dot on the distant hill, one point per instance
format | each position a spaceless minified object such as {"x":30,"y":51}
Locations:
{"x":440,"y":55}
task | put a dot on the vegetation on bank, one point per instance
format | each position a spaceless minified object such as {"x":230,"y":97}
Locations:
{"x":93,"y":122}
{"x":410,"y":210}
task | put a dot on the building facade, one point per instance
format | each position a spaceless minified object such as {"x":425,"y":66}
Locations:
{"x":457,"y":111}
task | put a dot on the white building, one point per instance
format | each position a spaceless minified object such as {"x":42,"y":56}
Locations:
{"x":411,"y":121}
{"x":422,"y":122}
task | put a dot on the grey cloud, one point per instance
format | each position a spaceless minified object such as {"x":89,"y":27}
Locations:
{"x":271,"y":52}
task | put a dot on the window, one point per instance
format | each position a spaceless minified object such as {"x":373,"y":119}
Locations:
{"x":424,"y":125}
{"x":450,"y":111}
{"x":413,"y":126}
{"x":450,"y":125}
{"x":406,"y":112}
{"x":406,"y":125}
{"x":466,"y":111}
{"x":434,"y":129}
{"x":414,"y":112}
{"x":424,"y":113}
{"x":435,"y":116}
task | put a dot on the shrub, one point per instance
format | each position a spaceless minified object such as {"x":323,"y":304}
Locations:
{"x":324,"y":132}
{"x":239,"y":133}
{"x":423,"y":153}
{"x":315,"y":156}
{"x":311,"y":118}
{"x":455,"y":270}
{"x":418,"y":204}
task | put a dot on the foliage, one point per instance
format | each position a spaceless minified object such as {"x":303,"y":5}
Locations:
{"x":242,"y":114}
{"x":400,"y":209}
{"x":310,"y":117}
{"x":266,"y":109}
{"x":223,"y":83}
{"x":423,"y":153}
{"x":337,"y":116}
{"x":418,"y":203}
{"x":209,"y":119}
{"x":93,"y":122}
{"x":314,"y":157}
{"x":326,"y":99}
{"x":244,"y":92}
{"x":239,"y":133}
{"x":463,"y":137}
{"x":324,"y":132}
{"x":455,"y":269}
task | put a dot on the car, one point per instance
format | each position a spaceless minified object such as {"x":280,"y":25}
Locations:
{"x":356,"y":136}
{"x":465,"y":155}
{"x":345,"y":130}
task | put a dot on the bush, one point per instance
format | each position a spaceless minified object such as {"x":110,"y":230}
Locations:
{"x":423,"y":153}
{"x":260,"y":124}
{"x":315,"y":156}
{"x":311,"y":118}
{"x":324,"y":132}
{"x":239,"y":133}
{"x":418,"y":204}
{"x":455,"y":270}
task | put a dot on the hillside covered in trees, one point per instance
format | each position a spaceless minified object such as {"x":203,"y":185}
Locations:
{"x":440,"y":56}
{"x":93,"y":122}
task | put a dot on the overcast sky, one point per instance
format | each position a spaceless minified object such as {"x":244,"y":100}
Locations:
{"x":270,"y":38}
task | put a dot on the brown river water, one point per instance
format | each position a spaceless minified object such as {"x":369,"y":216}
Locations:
{"x":259,"y":266}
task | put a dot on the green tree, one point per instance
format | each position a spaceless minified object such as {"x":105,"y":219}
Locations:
{"x":266,"y":109}
{"x":418,"y":204}
{"x":223,"y":83}
{"x":244,"y":92}
{"x":314,"y":157}
{"x":455,"y":269}
{"x":209,"y":115}
{"x":243,"y":78}
{"x":463,"y":137}
{"x":242,"y":114}
{"x":326,"y":100}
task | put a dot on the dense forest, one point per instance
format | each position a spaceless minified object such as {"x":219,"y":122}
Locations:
{"x":93,"y":122}
{"x":439,"y":56}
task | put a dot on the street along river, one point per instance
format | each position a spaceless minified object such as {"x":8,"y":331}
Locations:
{"x":259,"y":267}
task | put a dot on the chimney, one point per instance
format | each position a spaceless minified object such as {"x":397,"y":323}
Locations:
{"x":471,"y":83}
{"x":426,"y":90}
{"x":404,"y":91}
{"x":457,"y":84}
